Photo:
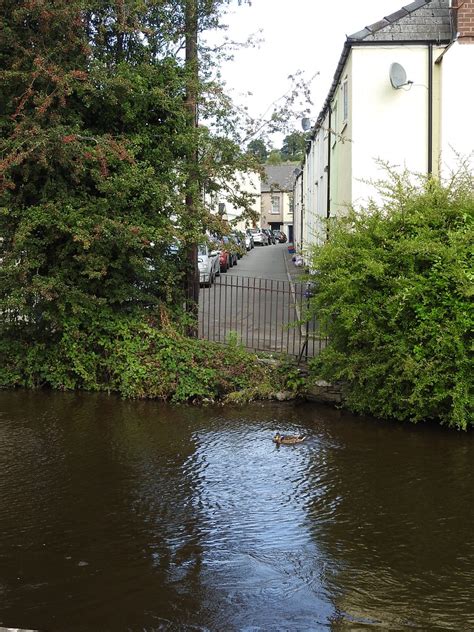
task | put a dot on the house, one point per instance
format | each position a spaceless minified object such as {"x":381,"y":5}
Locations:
{"x":402,"y":94}
{"x":235,"y":196}
{"x":277,"y":198}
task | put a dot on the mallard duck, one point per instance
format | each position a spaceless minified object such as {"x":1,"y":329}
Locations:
{"x":288,"y":439}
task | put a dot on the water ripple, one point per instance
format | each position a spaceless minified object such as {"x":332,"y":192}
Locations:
{"x":146,"y":517}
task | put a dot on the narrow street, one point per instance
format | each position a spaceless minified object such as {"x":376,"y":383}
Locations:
{"x":263,"y":262}
{"x":255,"y":302}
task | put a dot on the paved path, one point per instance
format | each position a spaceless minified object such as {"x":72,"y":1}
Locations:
{"x":263,"y":262}
{"x":256,"y":301}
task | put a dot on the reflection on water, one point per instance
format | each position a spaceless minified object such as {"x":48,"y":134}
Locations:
{"x":136,"y":516}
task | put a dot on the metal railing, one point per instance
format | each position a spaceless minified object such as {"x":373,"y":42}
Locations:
{"x":261,"y":314}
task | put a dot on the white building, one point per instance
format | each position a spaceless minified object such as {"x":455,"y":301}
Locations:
{"x":277,"y":198}
{"x":235,"y":196}
{"x":403,"y":94}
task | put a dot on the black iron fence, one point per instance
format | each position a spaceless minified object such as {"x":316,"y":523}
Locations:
{"x":261,"y":314}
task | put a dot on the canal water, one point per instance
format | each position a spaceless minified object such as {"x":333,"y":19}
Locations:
{"x":137,"y":516}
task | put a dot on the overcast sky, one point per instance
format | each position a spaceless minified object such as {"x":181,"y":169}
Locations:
{"x":306,"y":35}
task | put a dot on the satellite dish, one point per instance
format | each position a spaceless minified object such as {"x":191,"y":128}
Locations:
{"x":398,"y":76}
{"x":306,"y":124}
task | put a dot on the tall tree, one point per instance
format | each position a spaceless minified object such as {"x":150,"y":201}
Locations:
{"x":93,"y":138}
{"x":294,"y":146}
{"x":102,"y":167}
{"x":274,"y":157}
{"x":259,"y":149}
{"x":192,"y":183}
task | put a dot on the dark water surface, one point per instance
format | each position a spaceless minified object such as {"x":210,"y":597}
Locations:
{"x":136,"y":516}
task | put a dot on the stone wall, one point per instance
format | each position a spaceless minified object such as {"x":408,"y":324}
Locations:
{"x":325,"y":392}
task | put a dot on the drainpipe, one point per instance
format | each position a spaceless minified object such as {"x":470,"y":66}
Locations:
{"x":430,"y":109}
{"x":302,"y":208}
{"x":328,"y":200}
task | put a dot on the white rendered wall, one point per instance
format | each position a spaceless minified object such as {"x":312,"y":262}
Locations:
{"x":248,"y":183}
{"x":388,"y":124}
{"x":310,"y":185}
{"x":319,"y":176}
{"x":341,"y":145}
{"x":457,"y":106}
{"x":298,"y":201}
{"x":287,"y":208}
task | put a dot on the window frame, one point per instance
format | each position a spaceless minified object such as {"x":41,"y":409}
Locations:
{"x":345,"y":100}
{"x":275,"y":196}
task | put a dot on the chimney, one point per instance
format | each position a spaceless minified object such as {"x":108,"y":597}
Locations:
{"x":464,"y":20}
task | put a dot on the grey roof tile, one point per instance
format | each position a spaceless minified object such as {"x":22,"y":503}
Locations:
{"x":360,"y":35}
{"x":413,"y":18}
{"x":278,"y":178}
{"x":393,"y":17}
{"x":417,"y":4}
{"x":378,"y":25}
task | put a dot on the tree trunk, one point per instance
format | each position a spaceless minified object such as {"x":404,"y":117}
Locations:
{"x":192,"y":184}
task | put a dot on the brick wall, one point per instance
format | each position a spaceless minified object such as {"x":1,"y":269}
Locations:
{"x":464,"y":15}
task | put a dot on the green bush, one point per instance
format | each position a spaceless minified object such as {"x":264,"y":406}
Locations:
{"x":137,"y":359}
{"x":394,"y":294}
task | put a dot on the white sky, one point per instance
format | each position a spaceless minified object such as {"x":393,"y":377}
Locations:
{"x":306,"y":35}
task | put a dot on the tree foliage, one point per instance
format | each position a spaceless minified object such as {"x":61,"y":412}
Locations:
{"x":95,"y":170}
{"x":93,"y":144}
{"x":136,"y":359}
{"x":294,"y":146}
{"x":259,"y":149}
{"x":292,"y":149}
{"x":94,"y":157}
{"x":395,"y":294}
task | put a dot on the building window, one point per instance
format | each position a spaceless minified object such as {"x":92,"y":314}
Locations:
{"x":275,"y":205}
{"x":291,"y":203}
{"x":345,"y":100}
{"x":335,"y":124}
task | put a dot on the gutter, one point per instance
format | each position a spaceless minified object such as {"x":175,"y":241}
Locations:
{"x":453,"y":41}
{"x":337,"y":75}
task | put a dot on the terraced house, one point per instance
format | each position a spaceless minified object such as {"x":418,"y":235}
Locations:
{"x":402,"y":94}
{"x":277,"y":198}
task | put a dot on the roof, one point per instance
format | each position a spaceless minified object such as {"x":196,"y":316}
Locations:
{"x":423,"y":21}
{"x":278,"y":178}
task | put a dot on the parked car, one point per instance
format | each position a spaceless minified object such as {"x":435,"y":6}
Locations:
{"x":280,"y":236}
{"x":231,"y":248}
{"x":224,"y":260}
{"x":259,"y":236}
{"x":269,"y":234}
{"x":208,"y":264}
{"x":224,"y":257}
{"x":249,"y":236}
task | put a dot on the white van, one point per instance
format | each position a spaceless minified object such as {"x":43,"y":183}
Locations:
{"x":208,"y":264}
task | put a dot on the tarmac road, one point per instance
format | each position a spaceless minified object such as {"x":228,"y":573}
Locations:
{"x":256,"y":301}
{"x":263,"y":262}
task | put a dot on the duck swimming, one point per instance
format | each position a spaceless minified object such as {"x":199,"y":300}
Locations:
{"x":280,"y":439}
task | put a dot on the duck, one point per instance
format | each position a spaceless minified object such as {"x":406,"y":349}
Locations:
{"x":280,"y":439}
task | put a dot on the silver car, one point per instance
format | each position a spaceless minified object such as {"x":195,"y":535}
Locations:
{"x":259,"y":237}
{"x":208,"y":264}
